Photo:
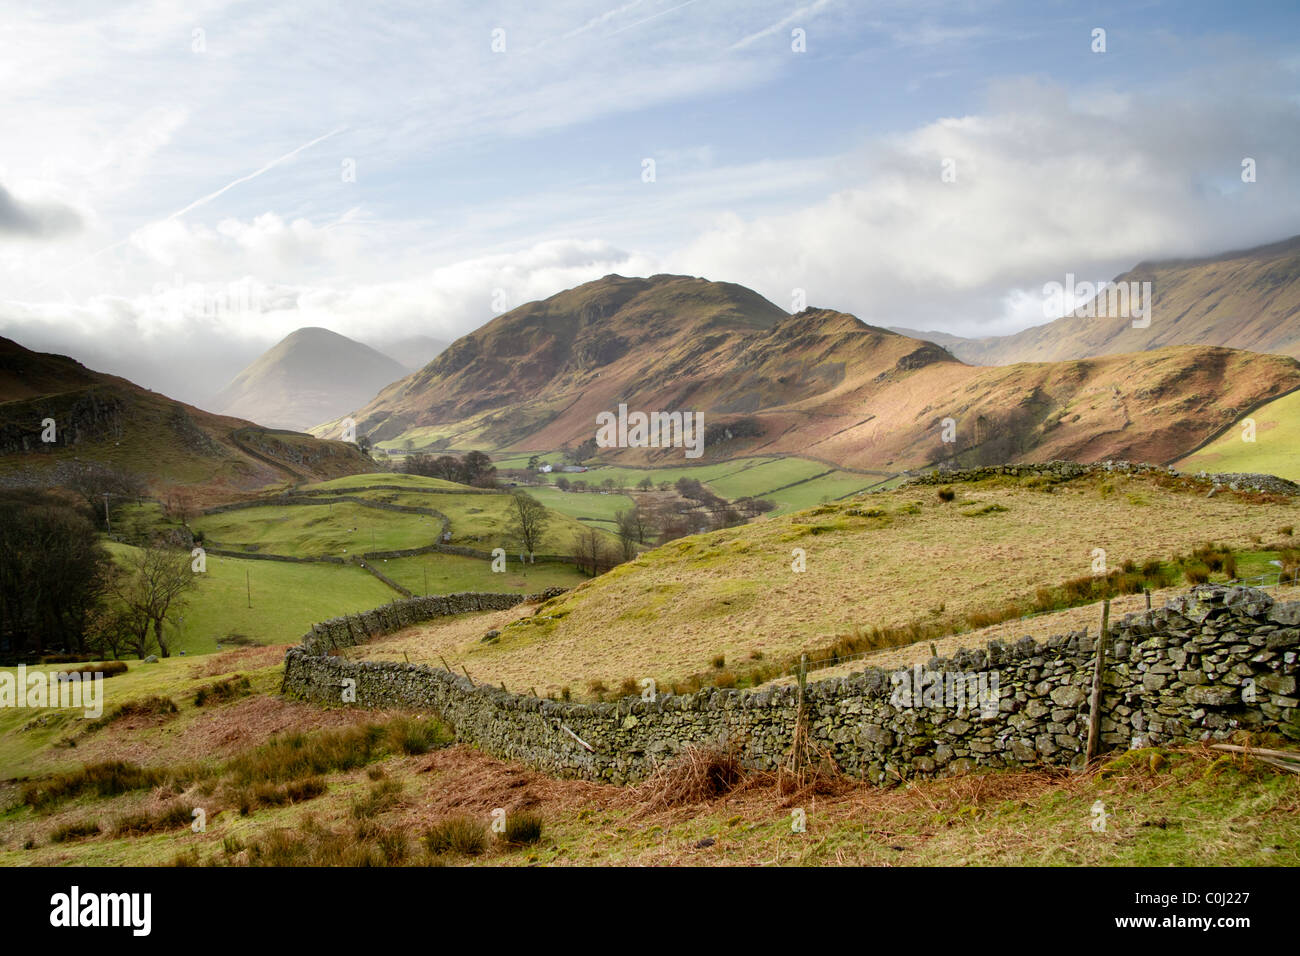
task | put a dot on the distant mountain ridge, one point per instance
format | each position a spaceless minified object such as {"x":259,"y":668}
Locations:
{"x":1247,"y":299}
{"x":819,"y":383}
{"x":310,"y":376}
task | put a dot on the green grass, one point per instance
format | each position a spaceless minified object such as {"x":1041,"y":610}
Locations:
{"x":739,"y":478}
{"x":1275,"y":450}
{"x":586,"y":505}
{"x":381,"y":478}
{"x":449,"y":573}
{"x":340,"y":529}
{"x":287,"y":599}
{"x":482,"y":521}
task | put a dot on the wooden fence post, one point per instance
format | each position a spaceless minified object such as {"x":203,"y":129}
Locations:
{"x":1094,"y":706}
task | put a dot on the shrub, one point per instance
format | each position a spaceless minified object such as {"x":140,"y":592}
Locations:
{"x":107,"y":668}
{"x":629,"y":687}
{"x":311,"y":844}
{"x":1197,"y":573}
{"x":724,"y":679}
{"x":223,"y":690}
{"x":413,"y":737}
{"x":946,"y":493}
{"x":382,"y":796}
{"x":719,"y":662}
{"x":698,"y":775}
{"x":75,"y":831}
{"x":523,"y":828}
{"x":252,"y":797}
{"x":109,"y":779}
{"x":1287,"y":530}
{"x":171,"y":817}
{"x":460,"y":834}
{"x":597,"y":689}
{"x":297,"y":755}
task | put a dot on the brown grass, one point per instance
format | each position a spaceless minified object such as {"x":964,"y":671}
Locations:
{"x":699,"y":775}
{"x":731,"y":593}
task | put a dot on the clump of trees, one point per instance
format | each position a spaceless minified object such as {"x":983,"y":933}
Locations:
{"x":102,"y":486}
{"x":577,"y":454}
{"x":592,"y":553}
{"x":53,"y":573}
{"x":475,"y":468}
{"x":63,"y":596}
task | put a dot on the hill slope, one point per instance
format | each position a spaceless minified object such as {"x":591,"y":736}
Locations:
{"x":108,"y":419}
{"x":1274,"y":447}
{"x":310,"y":376}
{"x":1248,"y":299}
{"x":891,"y":559}
{"x":820,"y":383}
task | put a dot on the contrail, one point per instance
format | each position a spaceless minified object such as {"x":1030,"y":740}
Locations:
{"x":649,"y":18}
{"x":253,"y":175}
{"x":211,"y":196}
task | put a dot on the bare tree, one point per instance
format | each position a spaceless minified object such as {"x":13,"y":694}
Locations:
{"x":592,"y":553}
{"x":151,"y":590}
{"x":97,"y":483}
{"x":529,"y":520}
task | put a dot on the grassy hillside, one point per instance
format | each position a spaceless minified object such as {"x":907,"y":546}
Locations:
{"x":882,"y":560}
{"x":336,"y":529}
{"x":364,"y":787}
{"x":1275,"y":450}
{"x":105,"y":419}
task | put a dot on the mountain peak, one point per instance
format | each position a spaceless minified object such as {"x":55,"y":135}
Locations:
{"x":310,"y":376}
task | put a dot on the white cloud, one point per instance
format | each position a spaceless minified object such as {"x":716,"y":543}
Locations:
{"x":1044,"y":185}
{"x":188,"y":337}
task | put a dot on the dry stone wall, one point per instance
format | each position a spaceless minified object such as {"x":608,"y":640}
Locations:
{"x":1210,"y":663}
{"x":1070,"y":470}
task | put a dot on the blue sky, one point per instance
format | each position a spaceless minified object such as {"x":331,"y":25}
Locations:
{"x":156,"y":154}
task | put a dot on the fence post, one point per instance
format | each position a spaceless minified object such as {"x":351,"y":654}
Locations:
{"x":1147,"y":592}
{"x":797,"y":743}
{"x":1094,"y":707}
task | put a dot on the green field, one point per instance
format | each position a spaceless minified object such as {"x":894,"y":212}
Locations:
{"x":510,"y":460}
{"x":381,"y":478}
{"x":591,"y":507}
{"x":810,"y":482}
{"x":481,"y":521}
{"x":320,"y":530}
{"x":1275,"y":450}
{"x":287,"y":599}
{"x":448,"y":573}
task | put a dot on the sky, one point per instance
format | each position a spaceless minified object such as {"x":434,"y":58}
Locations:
{"x":183,"y":184}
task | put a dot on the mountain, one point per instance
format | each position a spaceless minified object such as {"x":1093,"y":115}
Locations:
{"x":1244,"y":300}
{"x":106,"y":419}
{"x":819,"y":383}
{"x":310,"y":376}
{"x":413,"y":351}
